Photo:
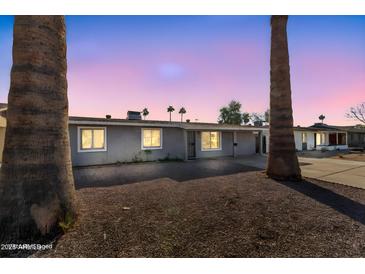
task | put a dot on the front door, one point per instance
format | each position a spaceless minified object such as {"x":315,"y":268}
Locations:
{"x":264,"y":144}
{"x":257,"y":142}
{"x":191,"y":144}
{"x":304,"y":141}
{"x":315,"y":140}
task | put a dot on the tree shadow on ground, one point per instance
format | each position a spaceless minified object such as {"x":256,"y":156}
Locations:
{"x":338,"y":202}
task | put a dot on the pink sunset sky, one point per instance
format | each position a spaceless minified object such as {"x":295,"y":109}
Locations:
{"x":121,"y":63}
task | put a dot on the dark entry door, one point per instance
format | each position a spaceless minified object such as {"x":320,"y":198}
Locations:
{"x":191,"y":145}
{"x":315,"y":140}
{"x":257,"y":143}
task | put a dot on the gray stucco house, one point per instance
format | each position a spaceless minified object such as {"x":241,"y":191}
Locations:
{"x":96,"y":141}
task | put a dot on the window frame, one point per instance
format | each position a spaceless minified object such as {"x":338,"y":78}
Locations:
{"x":321,"y":137}
{"x":304,"y":138}
{"x":338,"y":138}
{"x":211,"y":149}
{"x":79,"y":148}
{"x":142,"y":138}
{"x":330,"y":138}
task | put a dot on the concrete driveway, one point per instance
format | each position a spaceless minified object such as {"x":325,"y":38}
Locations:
{"x":351,"y":173}
{"x":346,"y":172}
{"x":109,"y":175}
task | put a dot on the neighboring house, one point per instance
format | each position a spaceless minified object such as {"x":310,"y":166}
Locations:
{"x":96,"y":141}
{"x":320,"y":137}
{"x":355,"y":135}
{"x":315,"y":138}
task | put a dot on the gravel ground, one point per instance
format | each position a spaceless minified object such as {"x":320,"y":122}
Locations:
{"x":240,"y":215}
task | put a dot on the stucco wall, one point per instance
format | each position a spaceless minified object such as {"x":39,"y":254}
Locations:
{"x":299,"y":141}
{"x":246,"y":143}
{"x":356,"y":139}
{"x":124,"y":145}
{"x":227,"y":146}
{"x":326,"y":147}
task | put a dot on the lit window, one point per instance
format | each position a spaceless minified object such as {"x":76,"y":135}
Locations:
{"x":151,"y":138}
{"x":92,"y":139}
{"x":320,"y":138}
{"x":304,"y":137}
{"x":211,"y":140}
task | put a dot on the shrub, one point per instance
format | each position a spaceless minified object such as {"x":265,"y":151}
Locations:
{"x":67,"y":223}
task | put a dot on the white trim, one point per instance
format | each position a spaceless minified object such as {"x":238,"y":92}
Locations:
{"x":142,"y":138}
{"x":210,"y":149}
{"x":91,"y":150}
{"x":187,"y":126}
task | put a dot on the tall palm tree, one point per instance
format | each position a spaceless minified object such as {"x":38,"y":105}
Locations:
{"x":170,"y":109}
{"x":282,"y":161}
{"x":145,"y":113}
{"x":36,"y":181}
{"x":182,"y":111}
{"x":321,"y":117}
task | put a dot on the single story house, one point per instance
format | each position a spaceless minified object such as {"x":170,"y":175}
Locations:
{"x":355,"y":135}
{"x":96,"y":141}
{"x":320,"y":137}
{"x":314,"y":138}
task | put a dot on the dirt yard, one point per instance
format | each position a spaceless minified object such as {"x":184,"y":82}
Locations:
{"x":351,"y":156}
{"x":240,"y":215}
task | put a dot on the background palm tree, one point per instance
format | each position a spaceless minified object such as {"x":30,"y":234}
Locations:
{"x":321,"y":117}
{"x":145,"y":113}
{"x":36,"y":181}
{"x":282,"y":161}
{"x":182,"y":111}
{"x":170,"y":109}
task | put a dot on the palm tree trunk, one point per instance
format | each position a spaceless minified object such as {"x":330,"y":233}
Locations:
{"x":170,"y":116}
{"x":36,"y":181}
{"x":282,"y":161}
{"x":181,"y":118}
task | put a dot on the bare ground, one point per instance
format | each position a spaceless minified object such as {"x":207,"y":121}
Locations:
{"x":240,"y":215}
{"x":351,"y":156}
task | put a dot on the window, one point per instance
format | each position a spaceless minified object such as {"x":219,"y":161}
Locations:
{"x":151,"y":138}
{"x":341,"y":138}
{"x":304,"y":137}
{"x":92,"y":139}
{"x":211,"y":140}
{"x":320,"y":138}
{"x":332,"y":137}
